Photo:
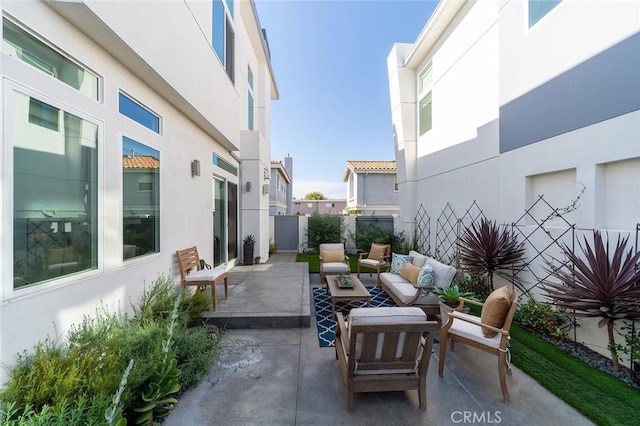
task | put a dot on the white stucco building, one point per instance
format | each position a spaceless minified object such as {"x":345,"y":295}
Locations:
{"x":127,"y":129}
{"x":503,"y":101}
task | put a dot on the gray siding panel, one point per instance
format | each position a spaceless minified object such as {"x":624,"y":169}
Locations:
{"x":603,"y":87}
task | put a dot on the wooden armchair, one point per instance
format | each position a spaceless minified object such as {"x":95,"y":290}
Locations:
{"x":489,"y":333}
{"x":383,"y":349}
{"x":333,"y":260}
{"x":377,"y":258}
{"x":192,"y":275}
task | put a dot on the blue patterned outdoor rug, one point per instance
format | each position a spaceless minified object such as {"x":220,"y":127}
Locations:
{"x":327,"y":325}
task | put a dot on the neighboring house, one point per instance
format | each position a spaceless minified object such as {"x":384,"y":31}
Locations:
{"x":372,"y":188}
{"x":280,"y":192}
{"x":308,"y":207}
{"x":500,"y":102}
{"x":121,"y":142}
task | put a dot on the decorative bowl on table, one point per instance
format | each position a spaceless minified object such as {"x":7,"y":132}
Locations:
{"x":344,"y":281}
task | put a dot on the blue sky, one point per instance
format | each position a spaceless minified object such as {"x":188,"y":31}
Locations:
{"x":330,"y":64}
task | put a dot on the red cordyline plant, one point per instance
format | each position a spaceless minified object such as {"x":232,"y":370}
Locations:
{"x":600,"y":284}
{"x":485,"y":248}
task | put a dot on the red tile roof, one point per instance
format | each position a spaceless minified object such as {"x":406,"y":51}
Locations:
{"x":368,"y":166}
{"x":140,"y":162}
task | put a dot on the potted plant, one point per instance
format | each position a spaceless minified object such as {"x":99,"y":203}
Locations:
{"x":450,"y":298}
{"x":248,"y":243}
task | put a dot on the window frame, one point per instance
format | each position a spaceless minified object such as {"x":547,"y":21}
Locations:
{"x":250,"y":100}
{"x":65,"y":104}
{"x":97,"y":96}
{"x":425,"y":94}
{"x":220,"y":41}
{"x":122,"y":94}
{"x":141,"y":140}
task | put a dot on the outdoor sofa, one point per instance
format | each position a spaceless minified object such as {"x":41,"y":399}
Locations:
{"x":400,"y":283}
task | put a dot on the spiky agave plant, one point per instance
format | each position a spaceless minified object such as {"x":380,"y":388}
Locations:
{"x":485,"y":248}
{"x":601,"y":284}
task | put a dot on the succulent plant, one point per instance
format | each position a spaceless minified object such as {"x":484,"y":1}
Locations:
{"x":451,"y":295}
{"x":485,"y":248}
{"x":600,"y":283}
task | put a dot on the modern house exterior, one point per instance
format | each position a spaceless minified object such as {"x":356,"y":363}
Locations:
{"x":281,"y":188}
{"x":372,"y":188}
{"x":502,"y":102}
{"x":329,"y":206}
{"x":122,"y":143}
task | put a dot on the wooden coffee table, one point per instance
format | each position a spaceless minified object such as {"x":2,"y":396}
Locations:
{"x":340,"y":294}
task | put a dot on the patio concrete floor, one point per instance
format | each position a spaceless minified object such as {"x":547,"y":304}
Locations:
{"x":280,"y":376}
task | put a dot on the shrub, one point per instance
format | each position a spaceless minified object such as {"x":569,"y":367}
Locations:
{"x":475,"y":284}
{"x":324,"y":228}
{"x":542,"y":319}
{"x":602,"y":283}
{"x":157,"y":302}
{"x":88,"y":367}
{"x":82,"y":411}
{"x":374,"y":233}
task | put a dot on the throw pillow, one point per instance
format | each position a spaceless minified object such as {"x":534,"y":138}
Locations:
{"x":495,"y":309}
{"x":377,"y":251}
{"x":398,"y":261}
{"x":426,"y":278}
{"x":332,"y":256}
{"x":410,"y":273}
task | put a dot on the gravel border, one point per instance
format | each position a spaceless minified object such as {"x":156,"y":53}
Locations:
{"x":597,"y":360}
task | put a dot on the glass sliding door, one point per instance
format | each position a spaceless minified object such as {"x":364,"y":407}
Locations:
{"x":219,"y":220}
{"x":232,"y":225}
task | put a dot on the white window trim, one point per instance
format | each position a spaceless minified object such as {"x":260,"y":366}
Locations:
{"x":427,"y":91}
{"x":6,"y":170}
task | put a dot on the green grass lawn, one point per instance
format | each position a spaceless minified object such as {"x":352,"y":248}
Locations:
{"x":601,"y":397}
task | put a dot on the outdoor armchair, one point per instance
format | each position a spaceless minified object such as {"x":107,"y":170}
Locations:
{"x":333,"y":260}
{"x":384,"y":349}
{"x":193,"y":274}
{"x":489,"y":332}
{"x":377,"y":258}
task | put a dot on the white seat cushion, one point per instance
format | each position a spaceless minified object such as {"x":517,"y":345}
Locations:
{"x":474,"y":332}
{"x":370,"y":262}
{"x":204,"y":275}
{"x":386,"y":315}
{"x":405,"y":291}
{"x":335,"y":267}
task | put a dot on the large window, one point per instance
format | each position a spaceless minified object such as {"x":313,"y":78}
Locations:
{"x":55,"y":168}
{"x":539,"y":8}
{"x":223,"y":38}
{"x":425,"y":103}
{"x":140,"y":199}
{"x":25,"y":47}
